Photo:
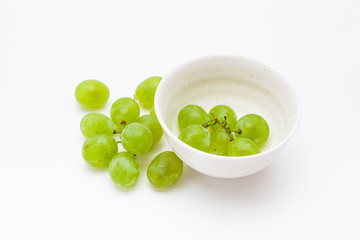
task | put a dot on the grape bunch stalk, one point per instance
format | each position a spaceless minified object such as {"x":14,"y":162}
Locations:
{"x":138,"y":134}
{"x":219,"y":132}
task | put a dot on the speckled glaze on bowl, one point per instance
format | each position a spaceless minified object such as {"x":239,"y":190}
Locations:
{"x":241,"y":83}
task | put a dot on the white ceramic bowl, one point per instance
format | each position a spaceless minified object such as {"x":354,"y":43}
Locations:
{"x":241,"y":83}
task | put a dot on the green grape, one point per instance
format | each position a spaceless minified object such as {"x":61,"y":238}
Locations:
{"x":220,"y":112}
{"x":190,"y":115}
{"x":96,"y":123}
{"x":124,"y":111}
{"x":124,"y":169}
{"x":153,"y":124}
{"x":145,"y":91}
{"x":92,"y":94}
{"x":242,"y":147}
{"x":196,"y":136}
{"x":99,"y":149}
{"x":253,"y":127}
{"x":152,"y":111}
{"x":165,"y":169}
{"x":219,"y":140}
{"x":215,"y":127}
{"x":136,"y":138}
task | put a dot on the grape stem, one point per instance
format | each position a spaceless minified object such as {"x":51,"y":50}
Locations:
{"x":238,"y":131}
{"x":214,"y":121}
{"x":231,"y":137}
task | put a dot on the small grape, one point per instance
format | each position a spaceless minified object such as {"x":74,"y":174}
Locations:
{"x":242,"y":147}
{"x":253,"y":127}
{"x":124,"y":111}
{"x":145,"y":91}
{"x":124,"y":169}
{"x":222,"y":111}
{"x":190,"y":115}
{"x":136,"y":138}
{"x":96,"y":123}
{"x":219,"y":140}
{"x":165,"y":169}
{"x":153,"y":124}
{"x":196,"y":136}
{"x":99,"y":149}
{"x":92,"y":94}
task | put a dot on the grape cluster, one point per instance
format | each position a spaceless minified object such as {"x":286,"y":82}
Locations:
{"x":219,"y":132}
{"x":138,"y":134}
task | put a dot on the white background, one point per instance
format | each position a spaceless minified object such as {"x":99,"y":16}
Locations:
{"x":47,"y":191}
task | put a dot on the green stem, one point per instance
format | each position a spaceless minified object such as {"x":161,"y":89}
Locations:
{"x":231,"y":137}
{"x":238,"y":131}
{"x":212,"y":122}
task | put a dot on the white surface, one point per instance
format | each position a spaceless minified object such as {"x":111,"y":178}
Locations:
{"x":47,"y":47}
{"x":248,"y":87}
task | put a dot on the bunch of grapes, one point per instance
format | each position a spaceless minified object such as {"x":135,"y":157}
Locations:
{"x":218,"y":132}
{"x":138,"y":134}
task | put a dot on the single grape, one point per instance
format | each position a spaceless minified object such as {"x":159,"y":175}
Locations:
{"x":124,"y":169}
{"x":190,"y":115}
{"x":92,"y":94}
{"x":152,"y":111}
{"x":220,"y":112}
{"x":96,"y":123}
{"x":145,"y":91}
{"x":136,"y":138}
{"x":165,"y":169}
{"x":99,"y":149}
{"x":124,"y":111}
{"x":242,"y":147}
{"x":196,"y":136}
{"x":253,"y":127}
{"x":153,"y":124}
{"x":219,"y":140}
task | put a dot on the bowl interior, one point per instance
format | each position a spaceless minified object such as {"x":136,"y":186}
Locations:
{"x":245,"y":85}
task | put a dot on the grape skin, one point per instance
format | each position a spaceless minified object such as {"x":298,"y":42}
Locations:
{"x":196,"y":136}
{"x":165,"y":169}
{"x":145,"y":91}
{"x":242,"y":147}
{"x":92,"y":93}
{"x":192,"y":114}
{"x":99,"y":149}
{"x":153,"y":124}
{"x":219,"y":140}
{"x":152,"y":111}
{"x":96,"y":123}
{"x":253,"y":127}
{"x":124,"y":169}
{"x":136,"y":138}
{"x":214,"y":128}
{"x":124,"y":111}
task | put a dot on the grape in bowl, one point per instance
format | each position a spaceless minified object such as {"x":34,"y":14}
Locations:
{"x":248,"y":87}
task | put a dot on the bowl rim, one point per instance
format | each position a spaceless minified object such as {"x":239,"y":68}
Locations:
{"x":169,"y":133}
